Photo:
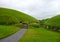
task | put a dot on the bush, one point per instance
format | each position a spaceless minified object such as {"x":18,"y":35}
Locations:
{"x":19,"y":25}
{"x":35,"y":25}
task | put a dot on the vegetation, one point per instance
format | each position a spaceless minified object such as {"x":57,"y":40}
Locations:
{"x":54,"y":21}
{"x":40,"y":35}
{"x":11,"y":21}
{"x":22,"y":17}
{"x":8,"y":20}
{"x":7,"y":30}
{"x":36,"y":25}
{"x":43,"y":20}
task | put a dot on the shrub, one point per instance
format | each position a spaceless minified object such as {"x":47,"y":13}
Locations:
{"x":19,"y":25}
{"x":35,"y":25}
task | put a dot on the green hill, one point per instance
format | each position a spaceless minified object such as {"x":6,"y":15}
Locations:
{"x":6,"y":19}
{"x":11,"y":15}
{"x":54,"y":21}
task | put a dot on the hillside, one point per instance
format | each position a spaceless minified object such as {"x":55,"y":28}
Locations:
{"x":54,"y":21}
{"x":10,"y":21}
{"x":7,"y":19}
{"x":21,"y":17}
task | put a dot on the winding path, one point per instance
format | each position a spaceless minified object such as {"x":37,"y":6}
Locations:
{"x":15,"y":37}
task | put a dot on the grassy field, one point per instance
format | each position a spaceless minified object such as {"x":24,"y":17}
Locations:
{"x":40,"y":35}
{"x":7,"y":30}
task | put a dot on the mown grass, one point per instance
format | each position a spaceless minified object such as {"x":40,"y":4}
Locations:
{"x":6,"y":30}
{"x":40,"y":35}
{"x":54,"y":21}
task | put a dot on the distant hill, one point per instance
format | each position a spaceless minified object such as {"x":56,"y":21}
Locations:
{"x":15,"y":15}
{"x":54,"y":21}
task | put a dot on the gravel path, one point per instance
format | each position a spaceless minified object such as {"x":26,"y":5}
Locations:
{"x":15,"y":37}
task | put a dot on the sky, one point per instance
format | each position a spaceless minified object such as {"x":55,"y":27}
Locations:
{"x":39,"y":9}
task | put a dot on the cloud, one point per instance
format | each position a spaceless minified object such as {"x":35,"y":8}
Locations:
{"x":39,"y":9}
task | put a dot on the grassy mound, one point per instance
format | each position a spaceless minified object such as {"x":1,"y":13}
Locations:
{"x":6,"y":19}
{"x":22,"y":17}
{"x":54,"y":21}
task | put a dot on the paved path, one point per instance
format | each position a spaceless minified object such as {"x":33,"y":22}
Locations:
{"x":15,"y":37}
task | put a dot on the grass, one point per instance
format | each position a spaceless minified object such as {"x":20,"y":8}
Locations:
{"x":13,"y":18}
{"x":22,"y":17}
{"x":7,"y":30}
{"x":7,"y":19}
{"x":40,"y":35}
{"x":54,"y":21}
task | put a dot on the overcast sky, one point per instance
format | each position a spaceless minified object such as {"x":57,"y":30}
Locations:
{"x":39,"y":9}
